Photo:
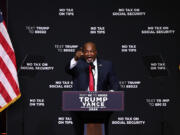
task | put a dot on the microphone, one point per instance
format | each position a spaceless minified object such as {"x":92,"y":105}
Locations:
{"x":92,"y":65}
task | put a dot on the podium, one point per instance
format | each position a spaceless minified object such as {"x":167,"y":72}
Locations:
{"x":93,"y":108}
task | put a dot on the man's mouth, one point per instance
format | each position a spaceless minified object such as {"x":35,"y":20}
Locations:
{"x":89,"y":59}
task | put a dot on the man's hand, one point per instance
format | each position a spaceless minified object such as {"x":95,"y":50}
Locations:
{"x":79,"y":53}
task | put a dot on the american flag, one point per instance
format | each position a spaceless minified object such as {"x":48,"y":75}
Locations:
{"x":9,"y":86}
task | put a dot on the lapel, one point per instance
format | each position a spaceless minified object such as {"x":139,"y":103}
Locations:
{"x":99,"y":67}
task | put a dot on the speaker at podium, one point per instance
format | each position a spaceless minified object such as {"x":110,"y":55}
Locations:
{"x":92,"y":110}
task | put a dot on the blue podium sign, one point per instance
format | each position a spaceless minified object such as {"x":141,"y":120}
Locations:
{"x":93,"y":101}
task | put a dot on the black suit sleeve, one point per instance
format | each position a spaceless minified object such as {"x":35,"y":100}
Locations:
{"x":70,"y":71}
{"x":113,"y":81}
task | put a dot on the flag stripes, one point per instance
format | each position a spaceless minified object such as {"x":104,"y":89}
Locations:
{"x":9,"y":86}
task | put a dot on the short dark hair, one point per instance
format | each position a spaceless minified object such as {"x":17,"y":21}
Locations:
{"x":89,"y":42}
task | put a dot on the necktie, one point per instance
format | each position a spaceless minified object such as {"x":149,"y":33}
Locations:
{"x":91,"y":79}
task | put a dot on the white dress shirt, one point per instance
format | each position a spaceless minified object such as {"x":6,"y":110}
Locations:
{"x":73,"y":63}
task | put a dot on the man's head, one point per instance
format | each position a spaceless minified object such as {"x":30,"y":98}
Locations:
{"x":89,"y":51}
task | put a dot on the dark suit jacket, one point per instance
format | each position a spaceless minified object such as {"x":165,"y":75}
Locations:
{"x":80,"y":75}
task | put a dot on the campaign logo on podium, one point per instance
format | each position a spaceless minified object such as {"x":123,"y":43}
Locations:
{"x":93,"y":101}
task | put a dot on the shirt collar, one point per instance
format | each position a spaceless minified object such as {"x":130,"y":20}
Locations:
{"x":95,"y":62}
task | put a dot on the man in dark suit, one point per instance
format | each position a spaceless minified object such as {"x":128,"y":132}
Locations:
{"x":80,"y":68}
{"x":103,"y":76}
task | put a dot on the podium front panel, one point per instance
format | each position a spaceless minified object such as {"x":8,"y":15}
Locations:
{"x":93,"y":101}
